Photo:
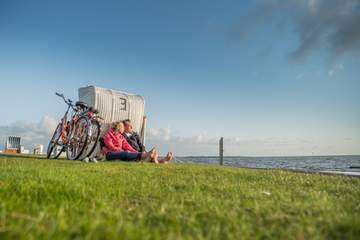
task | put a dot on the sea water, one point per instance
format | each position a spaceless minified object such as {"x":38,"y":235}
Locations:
{"x":307,"y":163}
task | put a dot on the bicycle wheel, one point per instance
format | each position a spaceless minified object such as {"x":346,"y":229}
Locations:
{"x":92,"y":140}
{"x":78,"y":139}
{"x":54,"y":148}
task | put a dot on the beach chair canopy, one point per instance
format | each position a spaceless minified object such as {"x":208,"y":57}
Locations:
{"x":115,"y":105}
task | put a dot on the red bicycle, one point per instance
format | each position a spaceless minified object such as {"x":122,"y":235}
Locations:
{"x":71,"y":135}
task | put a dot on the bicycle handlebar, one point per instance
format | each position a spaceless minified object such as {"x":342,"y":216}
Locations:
{"x":68,"y":101}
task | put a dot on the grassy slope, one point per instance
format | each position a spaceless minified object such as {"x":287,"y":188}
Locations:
{"x":67,"y":199}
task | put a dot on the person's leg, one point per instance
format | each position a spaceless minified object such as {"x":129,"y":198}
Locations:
{"x":166,"y":159}
{"x":124,"y":156}
{"x":154,"y":158}
{"x":150,"y":156}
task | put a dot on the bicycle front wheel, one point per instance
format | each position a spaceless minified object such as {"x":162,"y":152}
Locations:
{"x":78,"y":138}
{"x":92,"y":140}
{"x":55,"y":148}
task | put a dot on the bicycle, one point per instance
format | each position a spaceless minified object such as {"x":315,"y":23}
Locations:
{"x":94,"y":132}
{"x":70,"y":135}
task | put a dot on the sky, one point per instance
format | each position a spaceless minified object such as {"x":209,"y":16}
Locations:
{"x":274,"y":78}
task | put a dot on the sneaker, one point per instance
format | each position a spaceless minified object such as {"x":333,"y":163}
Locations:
{"x":86,"y":160}
{"x":93,"y":160}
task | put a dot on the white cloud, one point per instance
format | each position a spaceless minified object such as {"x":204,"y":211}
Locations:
{"x":335,"y":69}
{"x":31,"y":133}
{"x":198,"y":144}
{"x":202,"y":144}
{"x":165,"y":141}
{"x":163,"y":134}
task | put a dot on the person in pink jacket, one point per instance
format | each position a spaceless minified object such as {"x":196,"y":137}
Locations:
{"x":117,"y":148}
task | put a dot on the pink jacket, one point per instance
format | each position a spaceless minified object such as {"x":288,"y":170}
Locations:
{"x":116,"y":142}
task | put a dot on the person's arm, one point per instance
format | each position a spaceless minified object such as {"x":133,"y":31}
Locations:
{"x":108,"y":142}
{"x":142,"y":147}
{"x":127,"y":147}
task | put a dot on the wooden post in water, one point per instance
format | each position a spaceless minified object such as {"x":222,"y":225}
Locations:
{"x":221,"y":150}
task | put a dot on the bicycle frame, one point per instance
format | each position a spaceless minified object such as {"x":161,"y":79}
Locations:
{"x":67,"y":125}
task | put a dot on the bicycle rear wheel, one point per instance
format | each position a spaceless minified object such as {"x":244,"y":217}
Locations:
{"x":78,"y":138}
{"x":92,"y":140}
{"x":54,"y":147}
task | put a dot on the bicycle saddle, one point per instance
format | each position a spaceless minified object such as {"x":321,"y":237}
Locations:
{"x":93,"y":110}
{"x":81,"y":105}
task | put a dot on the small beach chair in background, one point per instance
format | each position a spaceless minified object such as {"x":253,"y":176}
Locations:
{"x":114,"y":105}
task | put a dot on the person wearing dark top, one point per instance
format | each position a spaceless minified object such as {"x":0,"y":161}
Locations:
{"x":132,"y":137}
{"x":116,"y":147}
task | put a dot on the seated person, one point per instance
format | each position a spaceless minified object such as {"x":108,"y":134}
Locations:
{"x":116,"y":147}
{"x":132,"y":137}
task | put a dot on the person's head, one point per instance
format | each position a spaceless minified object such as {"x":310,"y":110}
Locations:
{"x":118,"y":127}
{"x":128,"y":125}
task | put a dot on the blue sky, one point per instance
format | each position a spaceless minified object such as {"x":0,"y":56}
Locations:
{"x":273,"y":78}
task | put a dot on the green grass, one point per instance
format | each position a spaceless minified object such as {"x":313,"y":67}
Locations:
{"x":59,"y":199}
